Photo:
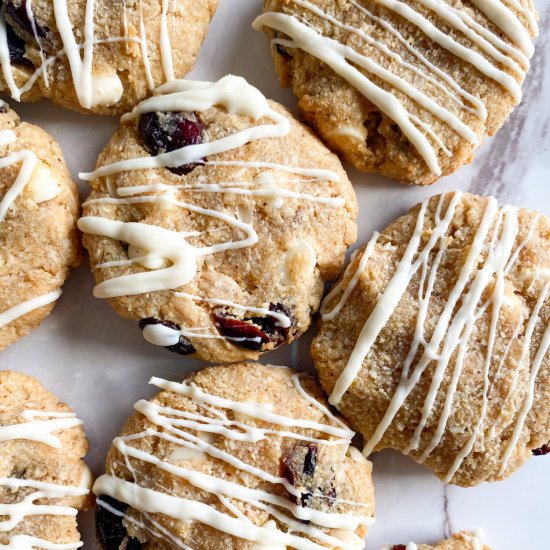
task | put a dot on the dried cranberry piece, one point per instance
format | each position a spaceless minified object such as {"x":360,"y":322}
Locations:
{"x":541,"y":451}
{"x":241,"y":332}
{"x":288,"y":472}
{"x":399,"y":547}
{"x":311,"y":460}
{"x":19,"y":16}
{"x":254,"y":331}
{"x":16,"y":47}
{"x":183,"y":347}
{"x":299,"y":469}
{"x":111,"y":533}
{"x":163,"y":132}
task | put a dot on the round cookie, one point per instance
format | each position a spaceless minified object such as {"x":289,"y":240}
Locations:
{"x":212,"y":220}
{"x":459,"y":541}
{"x":39,"y":208}
{"x":43,"y":480}
{"x":406,"y":88}
{"x":435,"y":341}
{"x":100,"y":56}
{"x":236,"y":457}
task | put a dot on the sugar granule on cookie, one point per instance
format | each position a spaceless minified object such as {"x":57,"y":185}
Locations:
{"x":100,"y":56}
{"x":44,"y":481}
{"x":235,"y":456}
{"x":211,"y":220}
{"x":408,"y":89}
{"x":39,"y":207}
{"x":435,"y":341}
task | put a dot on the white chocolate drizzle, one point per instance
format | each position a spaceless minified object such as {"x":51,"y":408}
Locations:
{"x":493,"y":252}
{"x":179,"y":427}
{"x":92,"y":89}
{"x":171,"y":260}
{"x":39,"y":426}
{"x":40,"y":430}
{"x":15,"y":312}
{"x":503,"y":62}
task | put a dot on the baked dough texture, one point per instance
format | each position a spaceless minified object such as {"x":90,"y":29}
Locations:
{"x":435,"y":340}
{"x":245,"y":451}
{"x":407,"y":89}
{"x":39,"y":240}
{"x":43,"y":446}
{"x":105,"y":65}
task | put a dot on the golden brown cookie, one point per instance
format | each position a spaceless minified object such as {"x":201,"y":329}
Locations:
{"x":214,"y":219}
{"x":407,"y":89}
{"x":39,"y":208}
{"x":100,"y":56}
{"x":43,"y":479}
{"x":435,"y":340}
{"x":235,"y":457}
{"x":459,"y":541}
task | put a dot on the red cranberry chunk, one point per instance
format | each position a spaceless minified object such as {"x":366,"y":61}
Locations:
{"x":316,"y":488}
{"x":541,"y":451}
{"x":242,"y":333}
{"x":399,"y":547}
{"x":253,"y":332}
{"x":311,"y":460}
{"x":163,"y":132}
{"x":16,"y":47}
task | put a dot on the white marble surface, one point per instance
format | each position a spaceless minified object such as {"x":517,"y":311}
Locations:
{"x":100,"y":364}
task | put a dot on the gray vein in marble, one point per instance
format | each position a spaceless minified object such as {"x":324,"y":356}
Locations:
{"x":447,"y":525}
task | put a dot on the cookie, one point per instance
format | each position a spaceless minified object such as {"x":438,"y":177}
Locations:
{"x":39,"y":208}
{"x":459,"y":541}
{"x":236,"y":457}
{"x":435,"y":340}
{"x":43,"y":480}
{"x":407,"y":88}
{"x":214,"y":219}
{"x":99,"y":56}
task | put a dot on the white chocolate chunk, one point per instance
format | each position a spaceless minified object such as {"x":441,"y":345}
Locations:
{"x":300,"y":262}
{"x":147,"y":262}
{"x":106,"y":90}
{"x":44,"y":184}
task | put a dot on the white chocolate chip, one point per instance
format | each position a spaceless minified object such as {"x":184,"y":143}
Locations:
{"x":146,"y":261}
{"x":268,"y":181}
{"x":356,"y":455}
{"x":106,"y":89}
{"x":299,"y":262}
{"x":43,"y":185}
{"x":183,"y":454}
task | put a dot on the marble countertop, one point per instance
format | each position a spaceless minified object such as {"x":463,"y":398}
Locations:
{"x":100,"y":363}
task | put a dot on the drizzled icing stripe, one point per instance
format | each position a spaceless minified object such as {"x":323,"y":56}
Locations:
{"x":178,"y":426}
{"x":91,"y":89}
{"x":40,"y":427}
{"x":490,"y":257}
{"x":40,"y":430}
{"x":171,"y":260}
{"x":346,"y":61}
{"x":15,"y":312}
